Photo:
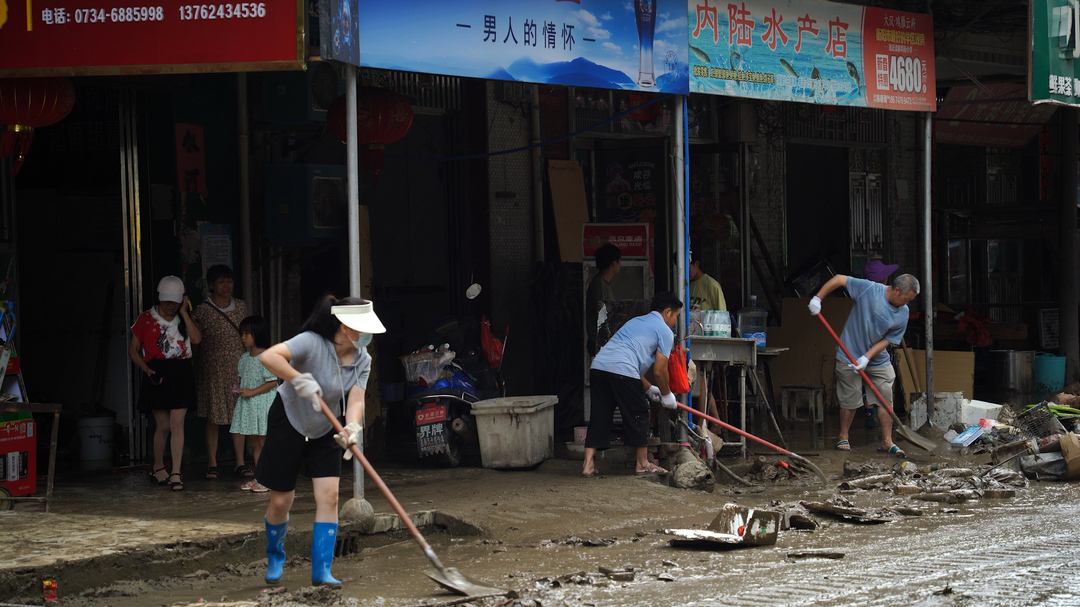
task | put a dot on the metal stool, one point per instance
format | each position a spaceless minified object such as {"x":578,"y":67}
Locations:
{"x":814,"y":397}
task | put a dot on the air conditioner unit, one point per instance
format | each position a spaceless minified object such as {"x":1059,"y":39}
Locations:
{"x":305,"y":202}
{"x":301,"y":96}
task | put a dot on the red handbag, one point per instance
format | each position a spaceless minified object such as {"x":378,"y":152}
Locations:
{"x":677,"y":378}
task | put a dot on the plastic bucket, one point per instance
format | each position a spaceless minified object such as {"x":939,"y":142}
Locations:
{"x":1049,"y":374}
{"x":1014,"y":371}
{"x":96,"y":440}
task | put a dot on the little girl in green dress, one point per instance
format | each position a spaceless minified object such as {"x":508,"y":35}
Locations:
{"x":256,"y":391}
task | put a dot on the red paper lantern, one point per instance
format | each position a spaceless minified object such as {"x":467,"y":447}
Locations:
{"x":29,"y":103}
{"x":382,"y":117}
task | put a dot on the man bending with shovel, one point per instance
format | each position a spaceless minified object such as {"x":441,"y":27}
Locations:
{"x":617,"y":377}
{"x":879,"y":318}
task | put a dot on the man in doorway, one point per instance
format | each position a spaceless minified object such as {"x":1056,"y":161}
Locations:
{"x":705,"y":294}
{"x":617,"y":378}
{"x":608,"y":263}
{"x":876,"y":271}
{"x":705,"y":291}
{"x":879,"y":318}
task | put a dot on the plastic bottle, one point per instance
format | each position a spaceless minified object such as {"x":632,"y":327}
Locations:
{"x":724,"y":324}
{"x":753,"y":322}
{"x":707,"y":322}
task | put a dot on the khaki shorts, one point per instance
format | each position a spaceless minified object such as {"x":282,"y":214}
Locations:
{"x":849,"y":385}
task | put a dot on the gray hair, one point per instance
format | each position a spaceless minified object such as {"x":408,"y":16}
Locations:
{"x":905,"y":283}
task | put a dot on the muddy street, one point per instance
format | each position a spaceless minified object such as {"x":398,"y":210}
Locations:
{"x":555,"y":538}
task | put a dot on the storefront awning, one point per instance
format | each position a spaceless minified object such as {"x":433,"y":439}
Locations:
{"x":999,"y":116}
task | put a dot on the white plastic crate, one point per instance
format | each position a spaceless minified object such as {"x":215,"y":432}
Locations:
{"x":516,"y":431}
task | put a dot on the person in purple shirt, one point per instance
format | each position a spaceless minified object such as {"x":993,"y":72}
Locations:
{"x":878,"y":319}
{"x":617,"y":378}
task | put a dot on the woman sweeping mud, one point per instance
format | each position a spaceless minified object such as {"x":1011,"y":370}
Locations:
{"x":327,"y":359}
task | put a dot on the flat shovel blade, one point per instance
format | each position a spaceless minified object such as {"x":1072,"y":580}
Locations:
{"x":456,"y":581}
{"x":914,"y":437}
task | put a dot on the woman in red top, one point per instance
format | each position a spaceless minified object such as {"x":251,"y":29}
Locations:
{"x":161,"y":348}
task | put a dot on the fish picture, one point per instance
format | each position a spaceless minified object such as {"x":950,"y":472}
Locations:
{"x":787,"y":68}
{"x":700,"y":54}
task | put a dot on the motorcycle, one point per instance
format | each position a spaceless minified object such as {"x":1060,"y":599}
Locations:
{"x":441,"y":389}
{"x":441,"y":415}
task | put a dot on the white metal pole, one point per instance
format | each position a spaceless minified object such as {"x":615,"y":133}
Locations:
{"x":927,"y":281}
{"x":353,"y":177}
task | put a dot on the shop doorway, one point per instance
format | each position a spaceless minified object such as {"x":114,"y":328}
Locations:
{"x":818,"y":223}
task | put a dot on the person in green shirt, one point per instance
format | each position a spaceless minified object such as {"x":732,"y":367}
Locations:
{"x":705,"y":292}
{"x":608,"y":263}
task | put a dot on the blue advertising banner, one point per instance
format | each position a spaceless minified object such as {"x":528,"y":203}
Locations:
{"x":339,"y":31}
{"x":812,"y":51}
{"x":612,"y":44}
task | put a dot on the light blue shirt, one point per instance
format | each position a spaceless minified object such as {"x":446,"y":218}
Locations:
{"x":632,"y":350}
{"x":872,"y":319}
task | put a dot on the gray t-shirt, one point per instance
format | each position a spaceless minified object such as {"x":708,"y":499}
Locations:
{"x":313,"y":354}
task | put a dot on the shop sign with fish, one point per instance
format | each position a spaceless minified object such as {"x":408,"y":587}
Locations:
{"x":812,"y":51}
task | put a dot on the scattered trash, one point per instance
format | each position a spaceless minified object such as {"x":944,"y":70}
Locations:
{"x":845,"y":509}
{"x":733,"y":525}
{"x":946,"y":591}
{"x":49,"y":594}
{"x":666,"y":577}
{"x":878,"y":480}
{"x":815,"y":554}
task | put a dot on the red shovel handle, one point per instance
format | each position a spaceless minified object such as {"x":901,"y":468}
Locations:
{"x":735,"y":430}
{"x":865,"y":377}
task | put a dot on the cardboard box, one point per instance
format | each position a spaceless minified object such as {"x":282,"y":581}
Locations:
{"x":1070,"y":449}
{"x":18,"y":456}
{"x":953,"y":372}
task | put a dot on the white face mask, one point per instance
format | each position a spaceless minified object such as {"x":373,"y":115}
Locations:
{"x":362,"y":341}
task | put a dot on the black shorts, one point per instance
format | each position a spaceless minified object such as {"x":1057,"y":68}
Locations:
{"x":177,"y":387}
{"x":286,"y":450}
{"x":608,"y":391}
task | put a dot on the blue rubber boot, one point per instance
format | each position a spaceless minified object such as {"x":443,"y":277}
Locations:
{"x":275,"y":551}
{"x":323,"y":538}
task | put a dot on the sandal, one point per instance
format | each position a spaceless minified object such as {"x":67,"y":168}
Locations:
{"x":259,"y":488}
{"x":843,"y":446}
{"x":159,"y":481}
{"x":211,"y":473}
{"x":651,"y":470}
{"x":893,"y":450}
{"x":243,"y":472}
{"x":176,"y":485}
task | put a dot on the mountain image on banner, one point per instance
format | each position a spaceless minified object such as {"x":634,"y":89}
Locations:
{"x":579,"y":72}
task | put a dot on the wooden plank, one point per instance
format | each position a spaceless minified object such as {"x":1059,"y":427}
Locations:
{"x":568,"y":201}
{"x":953,"y":372}
{"x":811,"y":354}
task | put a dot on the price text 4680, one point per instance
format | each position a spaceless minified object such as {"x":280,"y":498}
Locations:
{"x":243,"y":10}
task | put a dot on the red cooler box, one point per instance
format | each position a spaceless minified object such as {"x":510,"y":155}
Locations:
{"x":18,"y":457}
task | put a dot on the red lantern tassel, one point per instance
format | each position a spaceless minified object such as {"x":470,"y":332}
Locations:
{"x":17,"y":139}
{"x":372,"y":158}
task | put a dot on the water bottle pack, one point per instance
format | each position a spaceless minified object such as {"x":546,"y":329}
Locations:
{"x":717,"y":323}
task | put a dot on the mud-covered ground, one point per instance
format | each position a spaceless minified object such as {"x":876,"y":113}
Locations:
{"x":550,"y":537}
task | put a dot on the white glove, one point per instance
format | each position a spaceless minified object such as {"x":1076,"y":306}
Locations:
{"x":668,"y":401}
{"x":860,"y":364}
{"x":348,"y":437}
{"x":307,"y":388}
{"x":814,"y":305}
{"x":653,"y":393}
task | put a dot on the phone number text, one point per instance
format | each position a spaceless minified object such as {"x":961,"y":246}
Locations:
{"x":113,"y":15}
{"x":243,"y":10}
